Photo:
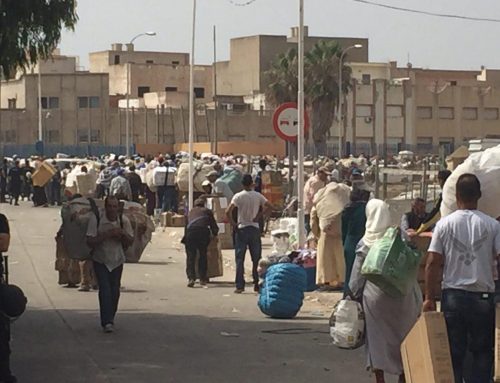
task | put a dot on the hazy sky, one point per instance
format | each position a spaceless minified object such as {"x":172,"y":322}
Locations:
{"x":430,"y":42}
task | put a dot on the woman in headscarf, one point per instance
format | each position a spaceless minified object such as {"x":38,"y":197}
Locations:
{"x":353,"y":227}
{"x":388,"y":319}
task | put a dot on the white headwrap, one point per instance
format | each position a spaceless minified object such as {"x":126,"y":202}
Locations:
{"x":378,"y":220}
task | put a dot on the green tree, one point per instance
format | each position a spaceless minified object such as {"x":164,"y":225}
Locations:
{"x":321,"y":68}
{"x":31,"y":29}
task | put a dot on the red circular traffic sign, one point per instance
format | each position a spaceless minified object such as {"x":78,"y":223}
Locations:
{"x":286,"y":119}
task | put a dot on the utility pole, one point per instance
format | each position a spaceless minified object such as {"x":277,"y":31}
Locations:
{"x":216,"y":103}
{"x":191,"y":112}
{"x":300,"y":133}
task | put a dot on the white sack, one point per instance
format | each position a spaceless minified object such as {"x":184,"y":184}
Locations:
{"x":347,"y":324}
{"x":486,"y":166}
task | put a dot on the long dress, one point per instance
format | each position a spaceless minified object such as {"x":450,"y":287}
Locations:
{"x":330,"y":265}
{"x":388,"y":319}
{"x":353,"y":229}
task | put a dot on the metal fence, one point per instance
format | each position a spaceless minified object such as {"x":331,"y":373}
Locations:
{"x":50,"y":150}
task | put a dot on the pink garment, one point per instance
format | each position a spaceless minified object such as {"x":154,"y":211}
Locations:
{"x":313,"y":185}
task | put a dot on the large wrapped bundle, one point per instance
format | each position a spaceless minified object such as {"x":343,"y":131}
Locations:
{"x":85,"y":184}
{"x":391,"y":265}
{"x":201,"y":171}
{"x":282,"y":294}
{"x":143,"y":228}
{"x":76,"y":215}
{"x":330,"y":202}
{"x":486,"y":167}
{"x":232,"y":177}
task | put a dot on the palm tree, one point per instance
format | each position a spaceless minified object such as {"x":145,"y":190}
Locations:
{"x":321,"y":67}
{"x":282,"y":79}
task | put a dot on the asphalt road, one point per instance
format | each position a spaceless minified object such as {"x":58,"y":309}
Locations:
{"x":165,"y":331}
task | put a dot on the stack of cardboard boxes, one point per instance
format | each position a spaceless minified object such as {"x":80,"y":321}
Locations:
{"x":169,"y":219}
{"x":272,"y":188}
{"x":219,"y":205}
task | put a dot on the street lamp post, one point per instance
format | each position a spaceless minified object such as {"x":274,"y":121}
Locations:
{"x":127,"y":118}
{"x":191,"y":112}
{"x":300,"y":132}
{"x":339,"y":112}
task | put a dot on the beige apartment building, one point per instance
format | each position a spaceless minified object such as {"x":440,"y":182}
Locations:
{"x":417,"y":109}
{"x":251,"y":57}
{"x":162,"y":75}
{"x":74,"y":104}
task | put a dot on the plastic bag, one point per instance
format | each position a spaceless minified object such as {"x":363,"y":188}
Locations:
{"x":391,"y":265}
{"x":347,"y":324}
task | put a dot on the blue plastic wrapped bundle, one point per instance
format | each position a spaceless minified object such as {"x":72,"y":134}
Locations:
{"x":282,"y":294}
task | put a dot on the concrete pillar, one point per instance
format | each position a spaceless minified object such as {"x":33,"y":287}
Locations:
{"x":379,"y":115}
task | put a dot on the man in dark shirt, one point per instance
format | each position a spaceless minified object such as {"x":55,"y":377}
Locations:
{"x":411,"y":221}
{"x":4,"y":171}
{"x":199,"y":230}
{"x":15,"y":183}
{"x":5,"y":374}
{"x":135,"y":183}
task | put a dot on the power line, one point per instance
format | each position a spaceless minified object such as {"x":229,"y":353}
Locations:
{"x":428,"y":13}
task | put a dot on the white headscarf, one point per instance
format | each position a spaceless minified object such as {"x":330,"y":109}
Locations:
{"x":378,"y":220}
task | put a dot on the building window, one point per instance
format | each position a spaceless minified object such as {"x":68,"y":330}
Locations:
{"x":83,"y":135}
{"x":12,"y":103}
{"x":86,"y":102}
{"x":175,"y":63}
{"x":469,"y":113}
{"x":363,"y":111}
{"x":446,"y":113}
{"x":50,"y":102}
{"x":491,"y":113}
{"x":424,"y":112}
{"x":53,"y":136}
{"x":117,"y":59}
{"x":453,"y":83}
{"x":366,"y":79}
{"x":394,"y":111}
{"x":424,"y":144}
{"x":94,"y":102}
{"x":141,"y":90}
{"x":150,"y":62}
{"x":199,"y":92}
{"x":171,"y":89}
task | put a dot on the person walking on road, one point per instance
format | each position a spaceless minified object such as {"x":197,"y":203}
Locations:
{"x":199,"y":231}
{"x":388,"y":319}
{"x":109,"y":236}
{"x":15,"y":183}
{"x":252,"y":206}
{"x":466,"y":245}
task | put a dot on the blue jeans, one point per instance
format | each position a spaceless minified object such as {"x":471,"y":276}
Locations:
{"x":248,"y":237}
{"x":109,"y":291}
{"x":167,"y":198}
{"x":470,"y":319}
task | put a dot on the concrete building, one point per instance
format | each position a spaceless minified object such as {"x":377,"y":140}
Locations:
{"x":165,"y":73}
{"x":251,"y":56}
{"x":391,"y":108}
{"x":74,"y":104}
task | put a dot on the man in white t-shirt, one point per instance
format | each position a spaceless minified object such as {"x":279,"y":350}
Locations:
{"x":251,"y":207}
{"x":466,"y":244}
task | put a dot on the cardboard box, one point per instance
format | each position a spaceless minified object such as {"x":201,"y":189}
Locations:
{"x":43,"y":174}
{"x":178,"y":221}
{"x":426,"y":351}
{"x":166,"y":219}
{"x":214,"y":255}
{"x":226,"y":236}
{"x":272,"y":178}
{"x":497,"y":345}
{"x":218,"y":205}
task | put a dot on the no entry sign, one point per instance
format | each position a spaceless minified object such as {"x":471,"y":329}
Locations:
{"x":286,"y":120}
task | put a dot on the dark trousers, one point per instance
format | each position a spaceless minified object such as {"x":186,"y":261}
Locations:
{"x":470,"y":320}
{"x":167,"y":196}
{"x":3,"y":189}
{"x":197,"y":241}
{"x":109,"y":291}
{"x":248,"y":237}
{"x":53,"y":192}
{"x":307,"y":223}
{"x":4,"y":348}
